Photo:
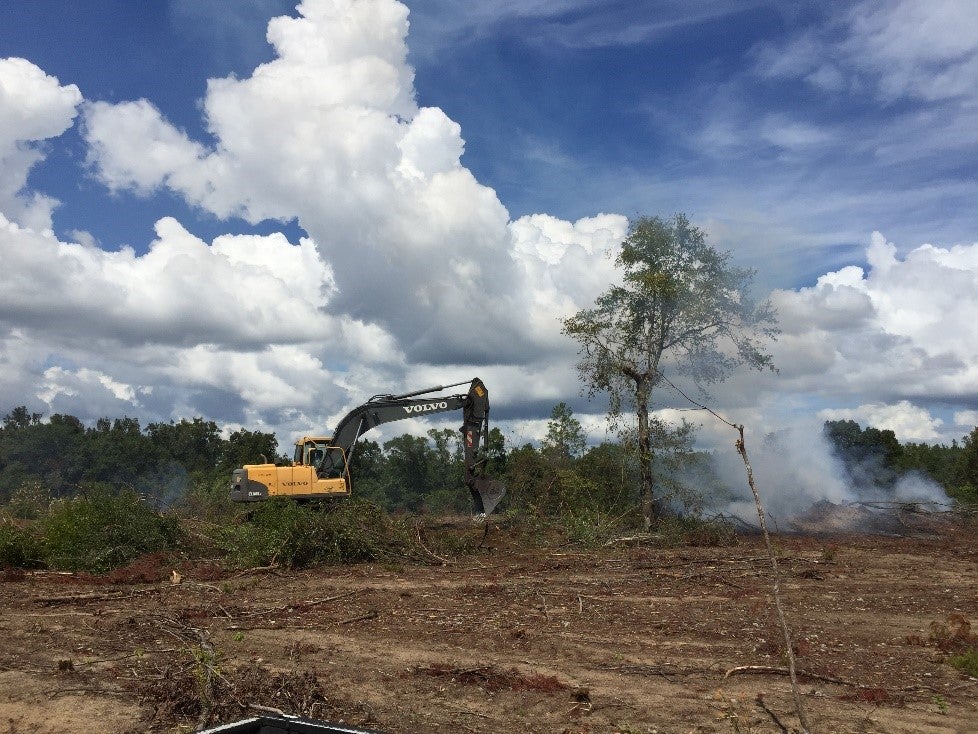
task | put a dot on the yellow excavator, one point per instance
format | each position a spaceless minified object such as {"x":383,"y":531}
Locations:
{"x":321,"y":464}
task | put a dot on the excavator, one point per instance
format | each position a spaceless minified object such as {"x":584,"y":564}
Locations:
{"x":321,"y":464}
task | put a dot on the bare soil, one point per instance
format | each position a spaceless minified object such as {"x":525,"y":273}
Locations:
{"x":629,"y":638}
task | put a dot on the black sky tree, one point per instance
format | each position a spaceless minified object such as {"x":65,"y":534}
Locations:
{"x":680,"y":301}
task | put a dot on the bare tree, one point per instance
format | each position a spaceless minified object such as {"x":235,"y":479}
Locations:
{"x":680,"y":300}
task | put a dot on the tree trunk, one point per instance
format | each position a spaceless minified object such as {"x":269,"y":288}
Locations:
{"x":649,"y":512}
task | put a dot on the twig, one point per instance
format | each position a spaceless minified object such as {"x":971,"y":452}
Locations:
{"x":772,"y":670}
{"x":266,"y":709}
{"x":273,"y":568}
{"x":774,"y":717}
{"x":297,"y":605}
{"x":127,"y":655}
{"x":83,"y":598}
{"x":634,"y":538}
{"x":369,"y":615}
{"x":466,"y":711}
{"x":654,"y":670}
{"x":109,"y":691}
{"x":776,"y":583}
{"x":426,"y":549}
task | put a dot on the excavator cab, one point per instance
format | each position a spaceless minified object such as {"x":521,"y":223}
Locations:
{"x":309,"y":450}
{"x":328,"y":461}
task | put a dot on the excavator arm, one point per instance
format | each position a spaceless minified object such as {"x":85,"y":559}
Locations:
{"x":382,"y":409}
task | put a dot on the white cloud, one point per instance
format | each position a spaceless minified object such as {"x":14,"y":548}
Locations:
{"x":33,"y":108}
{"x":237,"y":330}
{"x":329,"y":133}
{"x":966,"y":418}
{"x":909,"y":422}
{"x":895,"y":50}
{"x":242,"y":291}
{"x":892,"y":332}
{"x":412,"y":267}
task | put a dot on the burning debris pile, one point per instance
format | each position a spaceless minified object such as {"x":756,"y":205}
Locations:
{"x":881,"y":518}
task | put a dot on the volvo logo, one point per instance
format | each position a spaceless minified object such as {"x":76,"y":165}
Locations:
{"x":426,"y":407}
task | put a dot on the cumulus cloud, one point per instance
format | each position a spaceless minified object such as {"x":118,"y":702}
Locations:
{"x":329,"y":133}
{"x":412,"y":267}
{"x":891,"y":330}
{"x":33,"y":108}
{"x":966,"y":418}
{"x":908,"y":421}
{"x":240,"y":292}
{"x":237,"y":329}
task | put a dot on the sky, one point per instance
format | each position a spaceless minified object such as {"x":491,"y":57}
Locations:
{"x":262,"y":213}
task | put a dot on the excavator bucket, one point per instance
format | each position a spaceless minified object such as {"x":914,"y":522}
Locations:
{"x":491,"y":491}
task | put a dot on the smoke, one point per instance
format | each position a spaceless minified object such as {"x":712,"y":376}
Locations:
{"x":796,"y":468}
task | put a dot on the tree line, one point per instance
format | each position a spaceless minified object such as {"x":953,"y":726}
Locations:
{"x":874,"y":457}
{"x":562,"y":476}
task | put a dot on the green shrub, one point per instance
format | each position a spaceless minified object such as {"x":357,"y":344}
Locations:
{"x":966,"y":494}
{"x":275,"y":531}
{"x":358,"y":531}
{"x":19,"y":546}
{"x":207,"y":499}
{"x":966,"y":662}
{"x":100,"y":530}
{"x":29,"y":501}
{"x":296,"y":535}
{"x":695,"y":531}
{"x":593,"y":526}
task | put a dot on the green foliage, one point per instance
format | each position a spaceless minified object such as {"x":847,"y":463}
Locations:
{"x":565,"y":439}
{"x":100,"y":530}
{"x":20,"y":417}
{"x":246,"y":447}
{"x":587,"y":501}
{"x":966,"y":662}
{"x":871,"y":457}
{"x":297,"y":535}
{"x":276,"y":531}
{"x":874,"y":457}
{"x":19,"y":546}
{"x":680,"y":299}
{"x":196,"y":445}
{"x":30,"y":501}
{"x":966,"y":469}
{"x":695,"y":531}
{"x":206,"y":499}
{"x":61,"y":454}
{"x":966,"y":494}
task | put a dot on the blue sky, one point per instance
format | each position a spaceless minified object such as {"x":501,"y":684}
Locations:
{"x":372,"y":197}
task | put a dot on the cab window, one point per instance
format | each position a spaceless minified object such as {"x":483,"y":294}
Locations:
{"x":333,"y":464}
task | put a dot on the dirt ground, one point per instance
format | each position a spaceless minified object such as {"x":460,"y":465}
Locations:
{"x":631,"y":638}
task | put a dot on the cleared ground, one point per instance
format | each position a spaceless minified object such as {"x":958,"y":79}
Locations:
{"x":515,"y":639}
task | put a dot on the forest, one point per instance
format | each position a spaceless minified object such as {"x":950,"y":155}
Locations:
{"x":168,"y":463}
{"x":55,"y":469}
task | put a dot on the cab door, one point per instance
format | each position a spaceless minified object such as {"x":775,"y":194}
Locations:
{"x":332,"y":473}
